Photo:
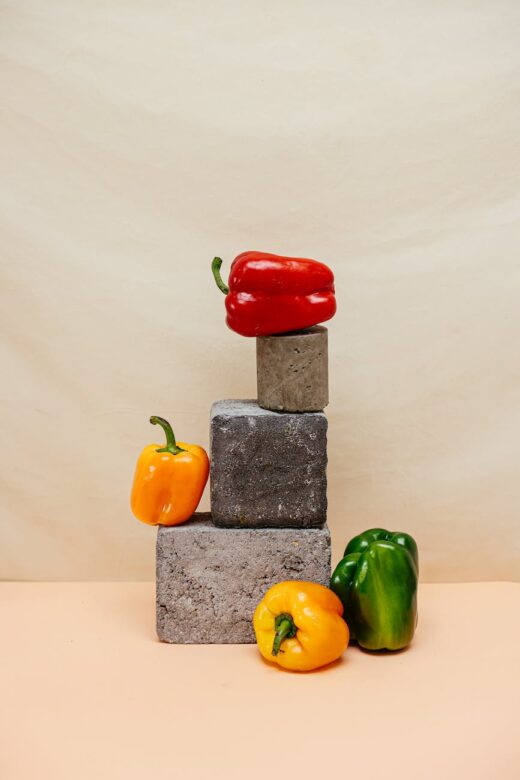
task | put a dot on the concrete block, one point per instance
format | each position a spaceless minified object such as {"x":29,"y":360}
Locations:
{"x":292,"y":371}
{"x":268,"y":469}
{"x":209,"y":579}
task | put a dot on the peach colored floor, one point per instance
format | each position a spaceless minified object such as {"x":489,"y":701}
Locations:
{"x":86,"y":691}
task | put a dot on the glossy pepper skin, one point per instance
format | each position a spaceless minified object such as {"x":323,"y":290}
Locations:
{"x":376,"y":581}
{"x":298,"y":625}
{"x":169,"y":480}
{"x":268,"y":294}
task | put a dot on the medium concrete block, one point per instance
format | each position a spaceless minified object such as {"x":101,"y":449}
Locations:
{"x":268,"y":469}
{"x":209,"y":579}
{"x":292,"y":371}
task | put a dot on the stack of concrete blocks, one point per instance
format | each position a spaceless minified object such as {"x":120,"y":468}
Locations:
{"x":268,"y":501}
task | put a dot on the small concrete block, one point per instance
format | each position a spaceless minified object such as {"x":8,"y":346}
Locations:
{"x":292,"y":371}
{"x":209,"y":579}
{"x":268,"y":469}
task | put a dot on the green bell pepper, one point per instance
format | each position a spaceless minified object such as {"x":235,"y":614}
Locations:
{"x":376,"y":581}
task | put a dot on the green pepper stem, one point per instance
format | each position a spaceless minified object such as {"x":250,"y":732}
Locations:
{"x":215,"y":268}
{"x":171,"y":444}
{"x":285,"y":629}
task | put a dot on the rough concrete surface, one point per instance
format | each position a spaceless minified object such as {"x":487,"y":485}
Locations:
{"x":292,"y":371}
{"x":209,"y":579}
{"x":268,"y":469}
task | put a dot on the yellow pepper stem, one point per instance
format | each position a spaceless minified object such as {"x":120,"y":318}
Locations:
{"x":285,"y":629}
{"x":215,"y":267}
{"x":171,"y":444}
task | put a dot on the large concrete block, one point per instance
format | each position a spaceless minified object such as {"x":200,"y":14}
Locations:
{"x":292,"y":371}
{"x":268,"y":469}
{"x":209,"y":579}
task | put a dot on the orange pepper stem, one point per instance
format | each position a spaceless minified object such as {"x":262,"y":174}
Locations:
{"x":171,"y":444}
{"x":285,"y":629}
{"x":215,"y":267}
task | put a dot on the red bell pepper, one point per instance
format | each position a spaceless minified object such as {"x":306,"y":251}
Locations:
{"x":269,"y":294}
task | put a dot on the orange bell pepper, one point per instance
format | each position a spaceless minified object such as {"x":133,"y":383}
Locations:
{"x":169,"y":481}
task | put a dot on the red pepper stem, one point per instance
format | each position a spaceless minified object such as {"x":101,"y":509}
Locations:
{"x":171,"y":444}
{"x":215,"y":268}
{"x":285,"y":629}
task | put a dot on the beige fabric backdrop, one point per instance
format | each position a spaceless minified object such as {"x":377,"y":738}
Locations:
{"x":139,"y":139}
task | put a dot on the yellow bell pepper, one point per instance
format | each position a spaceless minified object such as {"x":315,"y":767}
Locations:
{"x":169,"y":481}
{"x":298,"y":625}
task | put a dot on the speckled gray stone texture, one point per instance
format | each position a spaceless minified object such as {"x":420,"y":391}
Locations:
{"x":209,"y":579}
{"x":292,"y":371}
{"x":268,"y":469}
